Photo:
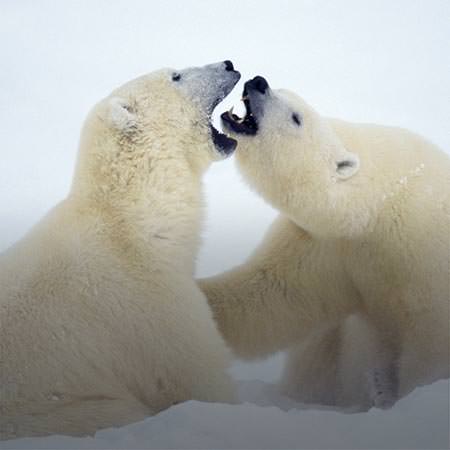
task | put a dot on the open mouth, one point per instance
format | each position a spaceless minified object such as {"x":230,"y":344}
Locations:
{"x":223,"y":143}
{"x":241,"y":125}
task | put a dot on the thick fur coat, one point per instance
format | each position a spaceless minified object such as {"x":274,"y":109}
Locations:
{"x":353,"y":277}
{"x":102,"y":323}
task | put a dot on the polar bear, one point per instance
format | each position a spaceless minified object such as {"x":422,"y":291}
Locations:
{"x":102,"y":322}
{"x":353,"y":276}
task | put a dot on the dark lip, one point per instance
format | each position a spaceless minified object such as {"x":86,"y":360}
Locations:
{"x":247,"y":125}
{"x":223,"y":143}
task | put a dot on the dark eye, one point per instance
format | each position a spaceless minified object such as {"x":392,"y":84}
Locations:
{"x":127,"y":107}
{"x":296,"y":119}
{"x":176,"y":77}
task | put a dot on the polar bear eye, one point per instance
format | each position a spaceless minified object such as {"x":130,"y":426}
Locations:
{"x":127,"y":107}
{"x":176,"y":77}
{"x":296,"y":119}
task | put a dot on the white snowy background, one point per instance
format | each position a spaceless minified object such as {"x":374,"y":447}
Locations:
{"x":369,"y":61}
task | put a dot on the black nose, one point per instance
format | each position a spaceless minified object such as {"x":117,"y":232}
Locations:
{"x":258,"y":83}
{"x":228,"y":65}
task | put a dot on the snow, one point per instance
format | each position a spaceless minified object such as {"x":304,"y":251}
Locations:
{"x":378,"y":61}
{"x":419,"y":421}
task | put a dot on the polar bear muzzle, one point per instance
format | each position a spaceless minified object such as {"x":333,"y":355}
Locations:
{"x":207,"y":86}
{"x":254,"y":95}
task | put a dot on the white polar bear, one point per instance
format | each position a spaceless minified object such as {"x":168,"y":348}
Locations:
{"x":102,"y":322}
{"x":354,"y":274}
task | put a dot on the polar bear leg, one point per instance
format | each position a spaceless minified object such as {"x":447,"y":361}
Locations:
{"x":350,"y":365}
{"x":311,"y":372}
{"x":279,"y":296}
{"x":384,"y":374}
{"x":384,"y":386}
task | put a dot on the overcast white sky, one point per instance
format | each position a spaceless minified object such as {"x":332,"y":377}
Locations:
{"x":376,"y":61}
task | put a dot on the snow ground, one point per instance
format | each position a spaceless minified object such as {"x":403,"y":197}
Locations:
{"x":419,"y":421}
{"x":374,"y":61}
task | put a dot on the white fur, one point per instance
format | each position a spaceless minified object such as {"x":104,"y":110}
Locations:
{"x":372,"y":242}
{"x":101,"y":321}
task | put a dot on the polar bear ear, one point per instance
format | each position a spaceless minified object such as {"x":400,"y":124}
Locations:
{"x":347,"y":167}
{"x":120,"y":115}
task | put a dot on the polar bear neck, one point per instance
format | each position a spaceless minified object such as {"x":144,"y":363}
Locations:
{"x":159,"y":216}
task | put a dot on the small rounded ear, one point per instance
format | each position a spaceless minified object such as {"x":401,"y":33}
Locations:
{"x":120,"y":115}
{"x":347,"y":167}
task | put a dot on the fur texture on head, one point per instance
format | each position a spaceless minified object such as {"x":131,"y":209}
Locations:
{"x":162,"y":118}
{"x":309,"y":167}
{"x":144,"y":149}
{"x":102,"y":321}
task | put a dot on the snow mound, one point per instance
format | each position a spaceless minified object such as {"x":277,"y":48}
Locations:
{"x":419,"y":421}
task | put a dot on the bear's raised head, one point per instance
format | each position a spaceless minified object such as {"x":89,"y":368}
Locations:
{"x":162,"y":120}
{"x":291,"y":156}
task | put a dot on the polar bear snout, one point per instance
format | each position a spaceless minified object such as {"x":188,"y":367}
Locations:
{"x":206,"y":87}
{"x":254,"y":96}
{"x":229,"y":66}
{"x":258,"y":84}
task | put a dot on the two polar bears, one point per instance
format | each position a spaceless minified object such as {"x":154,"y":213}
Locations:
{"x":102,"y":323}
{"x":354,"y":276}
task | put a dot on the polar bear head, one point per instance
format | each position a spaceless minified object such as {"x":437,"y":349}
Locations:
{"x":292,"y":157}
{"x":155,"y":127}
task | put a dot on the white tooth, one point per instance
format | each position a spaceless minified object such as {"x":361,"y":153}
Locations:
{"x":240,"y":109}
{"x":230,"y":112}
